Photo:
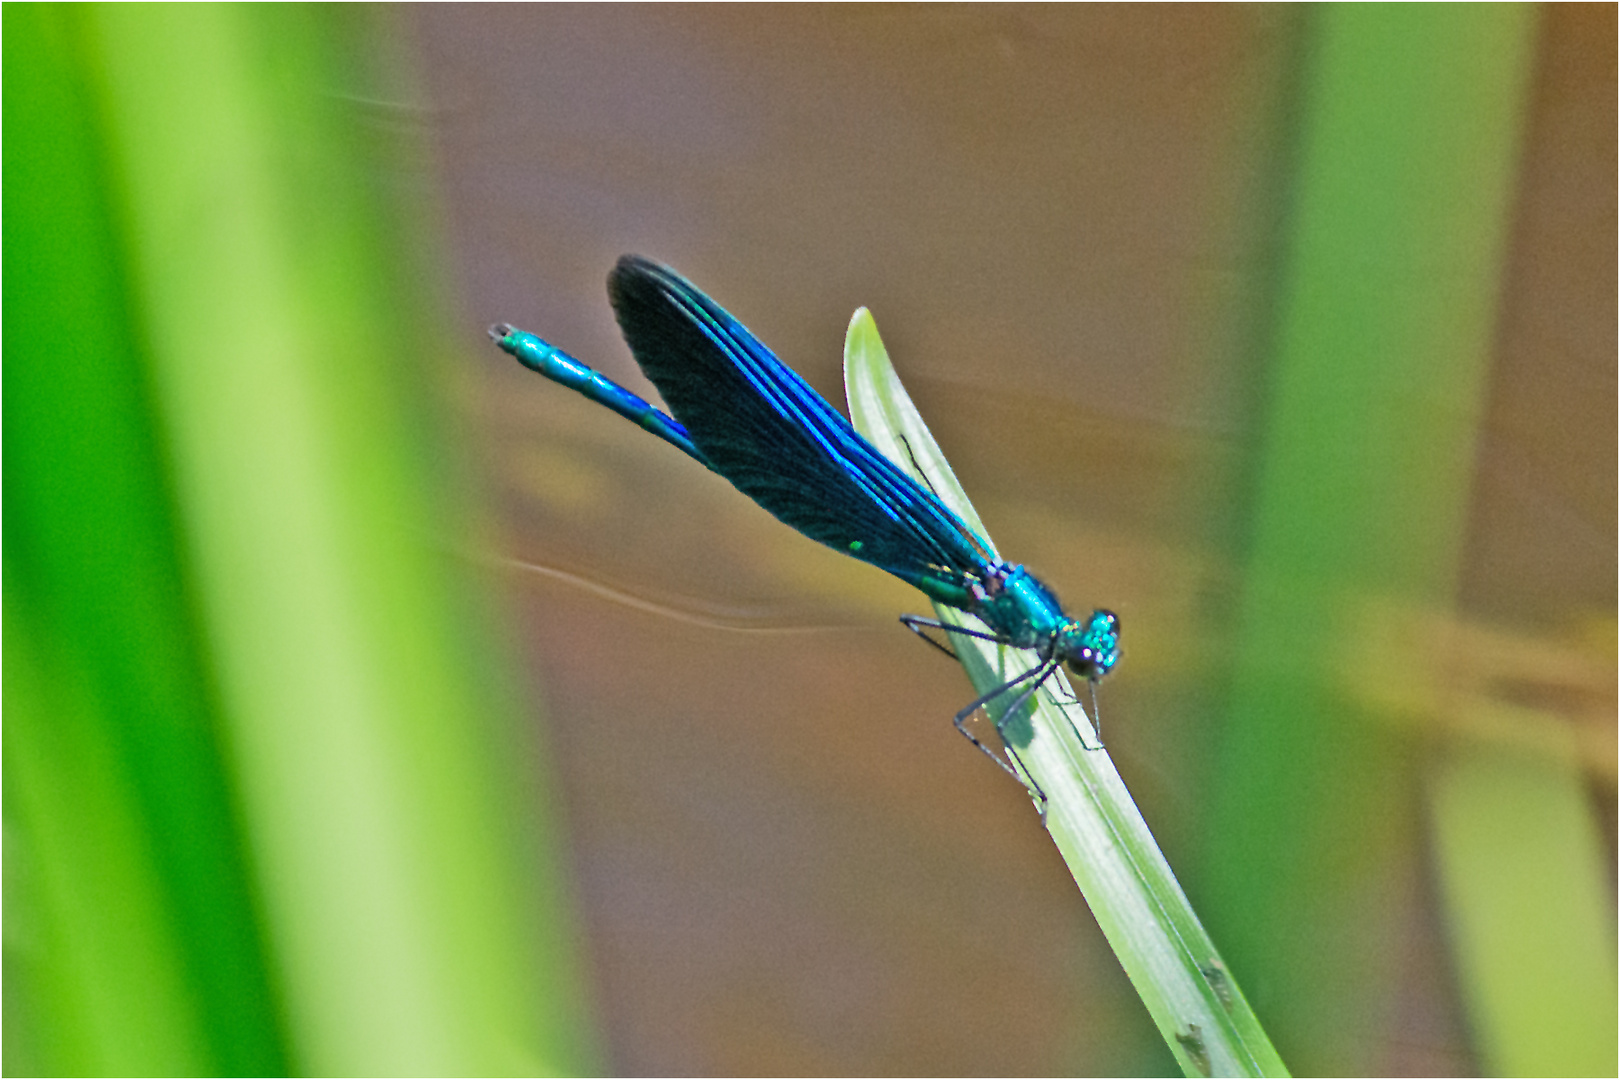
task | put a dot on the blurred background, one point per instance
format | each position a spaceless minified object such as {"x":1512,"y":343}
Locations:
{"x":376,"y":707}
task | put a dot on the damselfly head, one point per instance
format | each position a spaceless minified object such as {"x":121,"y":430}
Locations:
{"x":1091,"y":649}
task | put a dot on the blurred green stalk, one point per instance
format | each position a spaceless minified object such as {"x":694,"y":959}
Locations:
{"x":1527,"y":887}
{"x":259,"y":802}
{"x":1408,"y":147}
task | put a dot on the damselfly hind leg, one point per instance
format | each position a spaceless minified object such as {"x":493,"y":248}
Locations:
{"x":919,"y":623}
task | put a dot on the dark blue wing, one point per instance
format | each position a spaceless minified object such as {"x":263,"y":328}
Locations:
{"x":764,"y":429}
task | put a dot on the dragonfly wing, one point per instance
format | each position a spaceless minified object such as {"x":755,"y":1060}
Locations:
{"x":764,"y":429}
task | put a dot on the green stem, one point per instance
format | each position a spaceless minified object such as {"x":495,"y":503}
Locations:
{"x":1123,"y":875}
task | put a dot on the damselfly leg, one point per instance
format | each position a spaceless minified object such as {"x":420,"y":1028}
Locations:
{"x":1034,"y":676}
{"x":920,"y":625}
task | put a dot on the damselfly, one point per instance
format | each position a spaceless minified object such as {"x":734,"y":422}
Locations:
{"x":740,"y":412}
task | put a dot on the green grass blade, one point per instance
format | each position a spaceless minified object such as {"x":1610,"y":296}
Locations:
{"x":1137,"y":901}
{"x":1398,"y":220}
{"x":1524,"y":878}
{"x":263,"y":802}
{"x":132,"y":944}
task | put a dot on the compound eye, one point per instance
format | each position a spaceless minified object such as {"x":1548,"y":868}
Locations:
{"x":1081,"y":667}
